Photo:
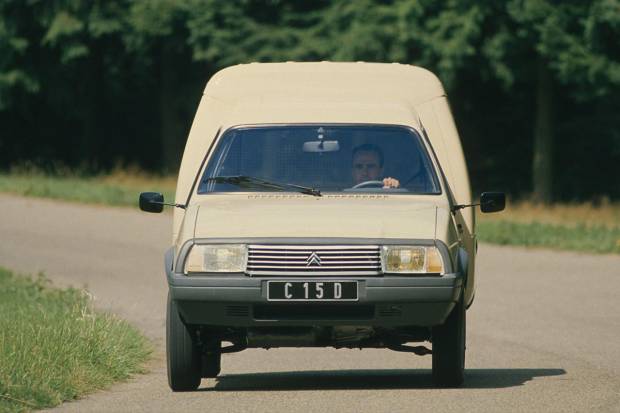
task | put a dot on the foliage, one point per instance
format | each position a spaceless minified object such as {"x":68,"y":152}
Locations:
{"x":55,"y":347}
{"x":101,"y":82}
{"x":13,"y":47}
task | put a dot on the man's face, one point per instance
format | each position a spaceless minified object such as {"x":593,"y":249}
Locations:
{"x":366,"y":167}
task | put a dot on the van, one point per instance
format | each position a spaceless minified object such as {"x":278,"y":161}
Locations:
{"x":320,"y":205}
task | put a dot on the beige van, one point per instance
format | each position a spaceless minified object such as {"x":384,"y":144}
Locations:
{"x":320,"y":204}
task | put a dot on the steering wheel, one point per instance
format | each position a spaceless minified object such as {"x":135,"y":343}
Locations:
{"x":372,"y":184}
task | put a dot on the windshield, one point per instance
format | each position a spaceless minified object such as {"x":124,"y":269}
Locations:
{"x":329,"y":158}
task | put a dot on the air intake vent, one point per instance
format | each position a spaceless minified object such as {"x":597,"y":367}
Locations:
{"x":315,"y":260}
{"x":237,"y":311}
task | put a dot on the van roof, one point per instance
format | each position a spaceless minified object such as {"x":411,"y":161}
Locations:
{"x":294,"y":91}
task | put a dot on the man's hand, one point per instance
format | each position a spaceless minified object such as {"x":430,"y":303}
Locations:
{"x":390,"y":183}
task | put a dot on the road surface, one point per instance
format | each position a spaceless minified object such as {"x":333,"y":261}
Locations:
{"x":543,"y":333}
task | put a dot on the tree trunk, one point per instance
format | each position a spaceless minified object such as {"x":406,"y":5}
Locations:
{"x":93,"y":93}
{"x":542,"y":168}
{"x":172,"y":121}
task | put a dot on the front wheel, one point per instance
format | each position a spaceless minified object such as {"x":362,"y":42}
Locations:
{"x":184,"y":361}
{"x":449,"y":348}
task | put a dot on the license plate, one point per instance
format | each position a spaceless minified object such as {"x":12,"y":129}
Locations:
{"x":312,"y":290}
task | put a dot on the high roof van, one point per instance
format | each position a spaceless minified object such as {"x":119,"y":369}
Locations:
{"x":321,"y":204}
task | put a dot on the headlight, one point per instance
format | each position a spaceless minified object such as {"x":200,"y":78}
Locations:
{"x":411,"y":260}
{"x":216,"y":258}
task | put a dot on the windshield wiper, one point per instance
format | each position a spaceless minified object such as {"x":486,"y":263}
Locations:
{"x":244,"y":181}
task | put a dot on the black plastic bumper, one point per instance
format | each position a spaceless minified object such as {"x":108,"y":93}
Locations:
{"x":387,"y":301}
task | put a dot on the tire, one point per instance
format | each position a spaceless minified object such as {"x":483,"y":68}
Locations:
{"x":183,"y":356}
{"x":449,"y":348}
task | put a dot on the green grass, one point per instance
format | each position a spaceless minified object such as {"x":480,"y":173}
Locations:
{"x":580,"y":237}
{"x":55,"y":347}
{"x":107,"y":190}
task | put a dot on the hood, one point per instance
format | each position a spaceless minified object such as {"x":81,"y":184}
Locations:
{"x":293,"y":215}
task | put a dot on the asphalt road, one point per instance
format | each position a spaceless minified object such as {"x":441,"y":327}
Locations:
{"x":543,"y":334}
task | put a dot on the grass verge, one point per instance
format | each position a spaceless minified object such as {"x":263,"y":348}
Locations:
{"x":54,"y":347}
{"x":118,"y":188}
{"x":578,"y":227}
{"x":598,"y":239}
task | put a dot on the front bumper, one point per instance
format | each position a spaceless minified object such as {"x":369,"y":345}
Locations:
{"x":384,"y":301}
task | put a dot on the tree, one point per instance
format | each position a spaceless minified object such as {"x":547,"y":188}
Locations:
{"x":84,"y":40}
{"x":159,"y":35}
{"x":554,"y":44}
{"x":16,"y":74}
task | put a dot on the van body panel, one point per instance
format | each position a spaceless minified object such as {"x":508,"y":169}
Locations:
{"x":248,"y":215}
{"x":436,"y":119}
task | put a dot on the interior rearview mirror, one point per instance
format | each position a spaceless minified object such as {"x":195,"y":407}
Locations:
{"x":151,"y":202}
{"x":321,"y":146}
{"x":492,"y":201}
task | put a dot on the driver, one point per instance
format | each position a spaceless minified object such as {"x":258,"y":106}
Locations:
{"x":368,"y":166}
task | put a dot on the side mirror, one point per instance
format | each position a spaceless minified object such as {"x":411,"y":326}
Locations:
{"x":151,"y":202}
{"x":492,"y":201}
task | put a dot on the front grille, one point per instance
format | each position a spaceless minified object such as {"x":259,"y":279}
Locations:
{"x":304,"y":260}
